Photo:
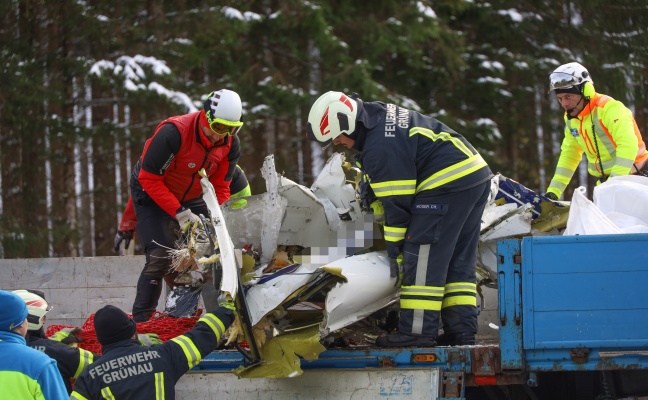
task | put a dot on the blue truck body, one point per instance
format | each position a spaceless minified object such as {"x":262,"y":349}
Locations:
{"x":573,"y":303}
{"x":567,"y":304}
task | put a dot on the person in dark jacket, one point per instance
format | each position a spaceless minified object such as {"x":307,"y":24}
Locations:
{"x":433,"y":186}
{"x":71,"y":361}
{"x":128,"y":370}
{"x":165,"y":184}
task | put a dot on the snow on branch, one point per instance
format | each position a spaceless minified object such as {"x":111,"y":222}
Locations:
{"x":136,"y":71}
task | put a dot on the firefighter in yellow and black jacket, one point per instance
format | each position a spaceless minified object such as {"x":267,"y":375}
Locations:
{"x":433,"y":186}
{"x":597,"y":125}
{"x":128,"y":370}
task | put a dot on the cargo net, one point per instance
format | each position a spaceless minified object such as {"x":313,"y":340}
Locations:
{"x":166,"y":327}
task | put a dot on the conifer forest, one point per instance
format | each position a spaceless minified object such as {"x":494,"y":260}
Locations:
{"x":84,"y":84}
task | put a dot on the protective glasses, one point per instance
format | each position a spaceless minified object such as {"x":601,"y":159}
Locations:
{"x":222,"y":127}
{"x":561,"y":80}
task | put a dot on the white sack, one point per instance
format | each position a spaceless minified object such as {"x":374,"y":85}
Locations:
{"x":620,"y":206}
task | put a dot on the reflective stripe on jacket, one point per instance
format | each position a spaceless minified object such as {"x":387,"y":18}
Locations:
{"x":71,"y":361}
{"x":128,"y":370}
{"x":616,"y":140}
{"x":407,"y":154}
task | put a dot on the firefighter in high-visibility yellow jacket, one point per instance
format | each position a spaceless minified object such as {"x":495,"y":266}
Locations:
{"x":597,"y":125}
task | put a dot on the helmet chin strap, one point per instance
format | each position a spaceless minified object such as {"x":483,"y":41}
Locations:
{"x":573,"y":108}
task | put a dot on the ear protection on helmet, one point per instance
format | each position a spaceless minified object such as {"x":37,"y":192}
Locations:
{"x":588,"y":89}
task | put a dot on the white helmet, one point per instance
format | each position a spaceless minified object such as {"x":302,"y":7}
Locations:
{"x":568,"y":76}
{"x":37,"y":308}
{"x":224,"y":107}
{"x":332,"y":114}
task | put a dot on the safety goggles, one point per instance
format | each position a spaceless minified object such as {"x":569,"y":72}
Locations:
{"x":223,"y":127}
{"x":561,"y":80}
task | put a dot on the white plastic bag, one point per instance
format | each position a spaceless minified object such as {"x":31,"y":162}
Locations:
{"x":624,"y":200}
{"x":585,"y":218}
{"x":620,"y":206}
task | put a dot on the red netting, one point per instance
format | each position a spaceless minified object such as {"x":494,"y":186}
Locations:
{"x":164,"y":326}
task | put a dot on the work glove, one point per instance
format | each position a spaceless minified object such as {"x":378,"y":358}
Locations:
{"x":551,"y":196}
{"x":396,"y":269}
{"x":378,"y":212}
{"x":69,"y":336}
{"x":229,"y":304}
{"x":126,"y":236}
{"x":148,"y":339}
{"x":186,"y":218}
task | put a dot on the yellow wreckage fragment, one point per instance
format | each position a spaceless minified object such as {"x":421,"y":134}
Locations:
{"x":281,"y":354}
{"x":553,"y":216}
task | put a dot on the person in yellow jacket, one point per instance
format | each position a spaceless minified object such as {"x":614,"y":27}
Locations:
{"x":597,"y":125}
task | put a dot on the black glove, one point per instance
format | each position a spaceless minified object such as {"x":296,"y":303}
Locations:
{"x":551,"y":196}
{"x":396,"y":271}
{"x":126,"y":236}
{"x":394,"y":268}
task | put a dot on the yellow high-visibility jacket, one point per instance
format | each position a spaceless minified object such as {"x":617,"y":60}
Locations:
{"x":604,"y":130}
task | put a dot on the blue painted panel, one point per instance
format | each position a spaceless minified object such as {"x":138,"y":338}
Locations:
{"x":612,"y":290}
{"x":596,"y":328}
{"x":452,"y":359}
{"x":509,"y":292}
{"x":570,"y":254}
{"x":584,"y":291}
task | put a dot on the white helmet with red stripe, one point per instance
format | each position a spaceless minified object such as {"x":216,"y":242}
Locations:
{"x":332,"y":114}
{"x":37,"y":308}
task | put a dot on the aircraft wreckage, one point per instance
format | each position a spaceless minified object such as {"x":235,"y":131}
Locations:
{"x":308,"y":270}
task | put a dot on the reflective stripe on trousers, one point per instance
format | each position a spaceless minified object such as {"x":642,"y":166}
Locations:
{"x":439,"y":276}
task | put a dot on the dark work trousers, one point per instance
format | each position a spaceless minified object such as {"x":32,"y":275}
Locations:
{"x":439,"y":262}
{"x":158,"y":232}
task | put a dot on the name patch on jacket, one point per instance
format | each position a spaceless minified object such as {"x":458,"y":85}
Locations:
{"x":428,"y":206}
{"x":574,"y":132}
{"x":396,"y":117}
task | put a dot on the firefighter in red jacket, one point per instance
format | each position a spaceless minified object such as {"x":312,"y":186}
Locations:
{"x":433,"y":186}
{"x":128,"y":370}
{"x":165,"y":184}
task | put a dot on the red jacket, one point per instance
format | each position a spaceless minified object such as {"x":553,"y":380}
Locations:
{"x":169,"y":165}
{"x":238,"y":185}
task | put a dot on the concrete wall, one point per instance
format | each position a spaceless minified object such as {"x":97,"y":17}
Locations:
{"x":76,"y":287}
{"x":361,"y":384}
